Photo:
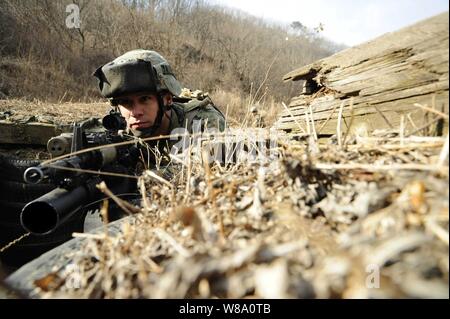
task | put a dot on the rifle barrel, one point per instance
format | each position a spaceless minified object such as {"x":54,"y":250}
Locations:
{"x":43,"y":215}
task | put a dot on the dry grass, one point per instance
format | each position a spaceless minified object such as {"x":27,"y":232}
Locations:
{"x":366,"y":220}
{"x":366,"y":216}
{"x":238,"y":109}
{"x":46,"y":81}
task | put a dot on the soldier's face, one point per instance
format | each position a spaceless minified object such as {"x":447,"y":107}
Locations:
{"x":140,"y":110}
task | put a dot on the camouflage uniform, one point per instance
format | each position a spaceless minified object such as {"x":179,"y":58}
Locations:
{"x":186,"y":114}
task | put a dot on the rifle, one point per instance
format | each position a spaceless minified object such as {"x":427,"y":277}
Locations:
{"x":76,"y":188}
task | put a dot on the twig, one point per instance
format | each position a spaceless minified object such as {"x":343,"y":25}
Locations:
{"x":151,"y":174}
{"x":437,"y":230}
{"x":127,"y":207}
{"x":351,"y":121}
{"x":429,"y":109}
{"x":402,"y":130}
{"x":338,"y":128}
{"x":226,"y":111}
{"x":395,"y":146}
{"x":266,"y":76}
{"x":411,"y":121}
{"x":424,"y":126}
{"x":170,"y":240}
{"x":247,"y":112}
{"x":188,"y":174}
{"x":91,"y":171}
{"x":308,"y":127}
{"x":212,"y":193}
{"x":375,"y":168}
{"x":133,"y":141}
{"x":444,"y":153}
{"x":384,"y":117}
{"x":389,"y":249}
{"x":143,"y":190}
{"x":328,"y":119}
{"x":90,"y":236}
{"x":153,"y":265}
{"x":105,"y":216}
{"x":409,"y":139}
{"x":15,"y":241}
{"x":312,"y":122}
{"x":293,"y":117}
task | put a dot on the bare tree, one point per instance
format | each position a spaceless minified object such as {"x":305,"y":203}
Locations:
{"x":209,"y":47}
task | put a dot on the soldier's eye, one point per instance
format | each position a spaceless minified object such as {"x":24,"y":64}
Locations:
{"x":125,"y":103}
{"x":145,"y":98}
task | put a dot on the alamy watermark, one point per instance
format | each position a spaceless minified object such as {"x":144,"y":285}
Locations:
{"x":231,"y":146}
{"x":73,"y":20}
{"x":73,"y":276}
{"x":373,"y":277}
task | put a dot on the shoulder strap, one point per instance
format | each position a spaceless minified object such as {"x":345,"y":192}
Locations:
{"x":192,"y":109}
{"x":196,"y":104}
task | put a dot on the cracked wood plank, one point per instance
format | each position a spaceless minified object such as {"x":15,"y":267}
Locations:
{"x":27,"y":133}
{"x":384,"y":77}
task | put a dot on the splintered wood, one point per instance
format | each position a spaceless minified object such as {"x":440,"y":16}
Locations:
{"x":320,"y":221}
{"x":400,"y":77}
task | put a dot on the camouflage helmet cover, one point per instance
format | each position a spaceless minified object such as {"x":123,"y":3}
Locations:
{"x":137,"y":71}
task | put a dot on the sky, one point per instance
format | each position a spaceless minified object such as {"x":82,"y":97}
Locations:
{"x":349,"y":22}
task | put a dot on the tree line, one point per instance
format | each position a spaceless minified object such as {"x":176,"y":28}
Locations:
{"x":209,"y":47}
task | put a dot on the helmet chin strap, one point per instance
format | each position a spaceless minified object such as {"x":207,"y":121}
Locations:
{"x":149,"y":131}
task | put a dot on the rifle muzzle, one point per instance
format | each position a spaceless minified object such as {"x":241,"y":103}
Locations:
{"x":43,"y":215}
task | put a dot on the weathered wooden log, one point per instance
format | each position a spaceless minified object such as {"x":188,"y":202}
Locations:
{"x":397,"y":77}
{"x":27,"y":133}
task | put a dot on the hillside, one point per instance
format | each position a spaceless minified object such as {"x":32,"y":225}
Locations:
{"x":209,"y":47}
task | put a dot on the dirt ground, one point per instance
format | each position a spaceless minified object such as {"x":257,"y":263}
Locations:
{"x":61,"y":115}
{"x":57,"y":113}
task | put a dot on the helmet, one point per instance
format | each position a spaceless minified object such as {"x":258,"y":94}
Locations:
{"x":137,"y":71}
